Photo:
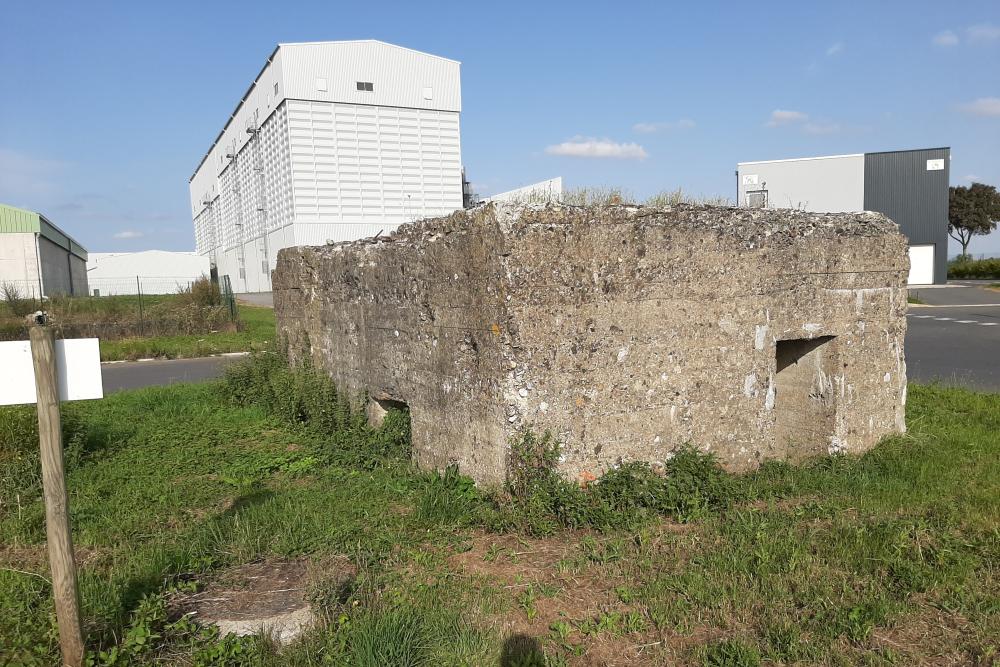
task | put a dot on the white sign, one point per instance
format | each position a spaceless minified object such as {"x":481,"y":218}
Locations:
{"x":78,"y":363}
{"x":750,"y":179}
{"x":935,"y":165}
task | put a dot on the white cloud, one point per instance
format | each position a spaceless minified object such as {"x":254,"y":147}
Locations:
{"x":649,"y":128}
{"x":983,"y":32}
{"x":821,"y":128}
{"x":785,"y":117}
{"x":835,"y":48}
{"x":128,"y":234}
{"x":945,"y":38}
{"x":599,"y":148}
{"x":984,"y":106}
{"x":972,"y":178}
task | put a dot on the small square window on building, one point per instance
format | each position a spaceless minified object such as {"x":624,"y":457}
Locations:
{"x":428,"y":93}
{"x":366,"y":86}
{"x":321,"y":85}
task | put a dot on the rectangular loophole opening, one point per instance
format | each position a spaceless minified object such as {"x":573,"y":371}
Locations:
{"x":804,"y":397}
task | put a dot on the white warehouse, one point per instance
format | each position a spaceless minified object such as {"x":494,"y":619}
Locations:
{"x":333,"y":141}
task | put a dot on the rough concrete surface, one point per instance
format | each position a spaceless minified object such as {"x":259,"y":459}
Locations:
{"x":627,"y":331}
{"x":267,"y":597}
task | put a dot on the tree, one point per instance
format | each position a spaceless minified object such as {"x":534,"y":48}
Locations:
{"x":972,"y":211}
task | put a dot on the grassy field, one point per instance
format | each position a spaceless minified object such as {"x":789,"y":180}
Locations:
{"x":258,"y":331}
{"x":890,"y":558}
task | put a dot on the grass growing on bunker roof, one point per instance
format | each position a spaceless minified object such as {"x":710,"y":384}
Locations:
{"x":889,"y":558}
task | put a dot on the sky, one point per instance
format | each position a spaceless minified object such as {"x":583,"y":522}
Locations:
{"x":108,"y":107}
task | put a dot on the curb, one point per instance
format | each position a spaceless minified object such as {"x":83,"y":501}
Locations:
{"x":211,"y":356}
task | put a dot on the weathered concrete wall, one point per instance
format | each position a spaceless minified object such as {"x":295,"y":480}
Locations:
{"x":629,"y":332}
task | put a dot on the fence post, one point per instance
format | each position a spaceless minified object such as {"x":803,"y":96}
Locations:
{"x":142,"y":323}
{"x":60,"y":541}
{"x":230,"y":297}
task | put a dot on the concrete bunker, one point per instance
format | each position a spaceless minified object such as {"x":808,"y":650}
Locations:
{"x":625,"y":331}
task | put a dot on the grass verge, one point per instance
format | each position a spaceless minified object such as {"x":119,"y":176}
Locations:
{"x":258,"y":331}
{"x":889,"y":558}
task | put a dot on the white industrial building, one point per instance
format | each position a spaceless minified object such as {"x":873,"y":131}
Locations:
{"x":145,"y":271}
{"x":333,"y":141}
{"x":550,"y":190}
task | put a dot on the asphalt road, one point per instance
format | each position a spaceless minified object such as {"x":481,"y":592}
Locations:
{"x":954,"y":345}
{"x":256,"y":299}
{"x":136,"y":374}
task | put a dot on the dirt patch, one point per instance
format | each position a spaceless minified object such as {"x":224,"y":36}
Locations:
{"x":35,"y":558}
{"x":934,"y":637}
{"x":567,"y":594}
{"x":270,"y":596}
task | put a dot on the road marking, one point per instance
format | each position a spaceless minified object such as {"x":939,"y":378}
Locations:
{"x":939,"y":319}
{"x":966,"y":322}
{"x":922,"y":317}
{"x":956,"y":305}
{"x":988,"y":324}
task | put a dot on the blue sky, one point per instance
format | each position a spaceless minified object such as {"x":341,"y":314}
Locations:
{"x":108,"y":107}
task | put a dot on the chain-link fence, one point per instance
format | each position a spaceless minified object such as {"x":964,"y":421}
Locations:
{"x":118,"y":308}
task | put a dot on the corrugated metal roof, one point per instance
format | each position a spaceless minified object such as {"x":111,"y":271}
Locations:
{"x":15,"y":220}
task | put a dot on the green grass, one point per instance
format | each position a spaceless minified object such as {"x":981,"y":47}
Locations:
{"x":889,"y":558}
{"x":258,"y":331}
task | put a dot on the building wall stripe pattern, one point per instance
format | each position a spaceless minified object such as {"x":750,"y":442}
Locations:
{"x":900,"y":184}
{"x":330,"y":161}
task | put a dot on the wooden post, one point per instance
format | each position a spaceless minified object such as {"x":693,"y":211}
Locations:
{"x":60,"y":541}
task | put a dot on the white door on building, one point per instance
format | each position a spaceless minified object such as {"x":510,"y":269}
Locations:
{"x":921,"y":265}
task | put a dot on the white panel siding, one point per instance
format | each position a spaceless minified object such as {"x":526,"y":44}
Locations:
{"x":824,"y":185}
{"x":205,"y":239}
{"x":334,"y":164}
{"x":364,"y":168}
{"x":399,"y":77}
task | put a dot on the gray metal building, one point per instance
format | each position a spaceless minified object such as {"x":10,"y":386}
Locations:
{"x":911,"y":187}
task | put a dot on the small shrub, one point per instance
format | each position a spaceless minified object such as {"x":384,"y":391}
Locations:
{"x":539,"y":500}
{"x":532,"y":463}
{"x":202,"y":293}
{"x":305,"y":395}
{"x":966,"y":268}
{"x":17,"y":303}
{"x":448,"y":499}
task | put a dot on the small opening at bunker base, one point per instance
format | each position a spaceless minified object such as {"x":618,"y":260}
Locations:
{"x":379,"y":406}
{"x":804,"y":396}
